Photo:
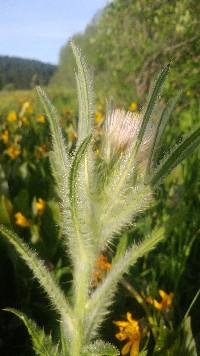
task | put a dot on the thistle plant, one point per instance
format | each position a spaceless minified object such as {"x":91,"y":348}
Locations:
{"x":102,"y":186}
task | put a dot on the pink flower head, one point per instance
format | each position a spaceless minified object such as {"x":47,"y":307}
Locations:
{"x":121,"y":132}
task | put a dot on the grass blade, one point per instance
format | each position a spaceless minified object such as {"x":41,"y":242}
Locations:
{"x":186,"y":147}
{"x":159,"y":130}
{"x":150,"y":105}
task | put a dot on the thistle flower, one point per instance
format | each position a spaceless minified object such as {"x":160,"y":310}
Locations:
{"x":130,"y":331}
{"x":121,"y":132}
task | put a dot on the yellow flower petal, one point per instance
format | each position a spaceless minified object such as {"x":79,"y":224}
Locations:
{"x":12,"y":116}
{"x":5,"y":136}
{"x":162,"y":293}
{"x":98,"y":117}
{"x":126,"y":348}
{"x":40,"y":206}
{"x":21,"y":220}
{"x":13,"y":151}
{"x":133,"y":106}
{"x":41,"y":119}
{"x":135,"y":348}
{"x":157,"y":305}
{"x":121,"y":336}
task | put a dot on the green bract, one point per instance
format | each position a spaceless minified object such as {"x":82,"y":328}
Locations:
{"x":99,"y":195}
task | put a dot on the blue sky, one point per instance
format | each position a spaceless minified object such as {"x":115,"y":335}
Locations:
{"x":38,"y":28}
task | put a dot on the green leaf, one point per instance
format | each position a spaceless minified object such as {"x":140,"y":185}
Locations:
{"x":143,"y":353}
{"x":44,"y":277}
{"x":100,"y":348}
{"x":189,"y":346}
{"x":42,"y":343}
{"x":74,"y":173}
{"x":85,"y":95}
{"x":81,"y":280}
{"x":121,"y":247}
{"x":180,"y":152}
{"x":102,"y":297}
{"x":150,"y":105}
{"x":60,"y":162}
{"x":5,"y":210}
{"x":178,"y":342}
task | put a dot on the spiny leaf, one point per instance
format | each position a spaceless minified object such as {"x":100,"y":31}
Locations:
{"x":85,"y":95}
{"x":44,"y":277}
{"x":180,"y":152}
{"x":61,"y":162}
{"x":101,"y":299}
{"x":81,"y":280}
{"x":74,"y":172}
{"x":151,"y":104}
{"x":42,"y":343}
{"x":120,"y":212}
{"x":100,"y":348}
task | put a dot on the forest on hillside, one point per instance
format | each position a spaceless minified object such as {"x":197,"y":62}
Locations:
{"x":128,"y":42}
{"x":19,"y":73}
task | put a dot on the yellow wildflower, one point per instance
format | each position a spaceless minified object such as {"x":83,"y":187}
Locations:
{"x":67,"y":113}
{"x":133,"y":106}
{"x":12,"y":116}
{"x":97,"y":152}
{"x":102,"y":265}
{"x":40,"y":151}
{"x":5,"y":136}
{"x":129,"y":330}
{"x":166,"y":300}
{"x":40,"y":118}
{"x":98,"y":117}
{"x":21,"y":220}
{"x":26,"y":108}
{"x":40,"y":206}
{"x":13,"y":151}
{"x":71,"y":134}
{"x":24,"y":120}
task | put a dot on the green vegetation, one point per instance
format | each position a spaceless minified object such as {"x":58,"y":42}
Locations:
{"x":126,"y":45}
{"x":18,"y":73}
{"x":129,"y":41}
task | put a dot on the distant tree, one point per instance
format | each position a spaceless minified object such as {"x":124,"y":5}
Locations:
{"x":21,"y":73}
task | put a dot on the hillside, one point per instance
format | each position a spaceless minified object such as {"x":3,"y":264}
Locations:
{"x":130,"y":41}
{"x":19,"y":73}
